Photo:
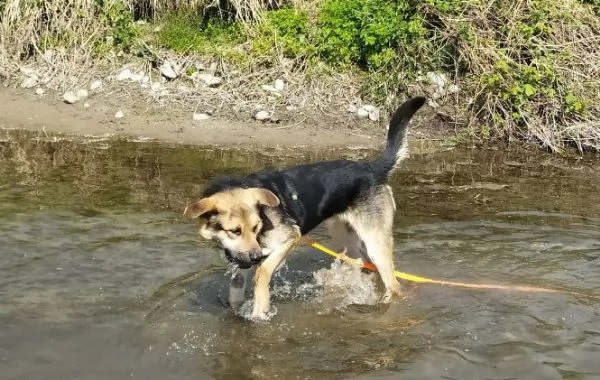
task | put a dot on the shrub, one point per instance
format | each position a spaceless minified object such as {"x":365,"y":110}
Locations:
{"x":284,"y":32}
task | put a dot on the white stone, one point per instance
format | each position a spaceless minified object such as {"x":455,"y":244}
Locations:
{"x":124,"y":75}
{"x":119,"y":114}
{"x":86,"y":105}
{"x":262,"y":115}
{"x":268,"y":87}
{"x":374,"y":115}
{"x":136,"y":77}
{"x":70,"y":97}
{"x":210,"y":79}
{"x":279,"y":85}
{"x":39,"y":91}
{"x":361,"y":112}
{"x":168,"y":70}
{"x":453,"y":89}
{"x":352,"y":108}
{"x":95,"y":85}
{"x":200,"y":116}
{"x":145,"y":79}
{"x":437,"y":79}
{"x":29,"y":82}
{"x":82,"y":94}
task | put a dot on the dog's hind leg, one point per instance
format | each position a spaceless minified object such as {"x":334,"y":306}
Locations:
{"x":373,"y":222}
{"x":265,"y":271}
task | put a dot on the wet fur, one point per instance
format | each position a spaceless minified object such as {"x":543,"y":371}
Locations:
{"x":272,"y":210}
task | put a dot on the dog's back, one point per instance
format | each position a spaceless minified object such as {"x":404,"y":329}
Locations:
{"x":314,"y":192}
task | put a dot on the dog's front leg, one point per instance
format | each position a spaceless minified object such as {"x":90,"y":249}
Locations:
{"x":237,"y":288}
{"x":265,"y":271}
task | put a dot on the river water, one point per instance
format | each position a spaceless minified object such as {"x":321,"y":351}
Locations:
{"x":102,"y":278}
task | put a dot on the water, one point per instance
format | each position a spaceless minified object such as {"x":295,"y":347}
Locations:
{"x":101,"y":277}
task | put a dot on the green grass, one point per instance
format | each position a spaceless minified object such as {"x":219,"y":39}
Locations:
{"x":186,"y":32}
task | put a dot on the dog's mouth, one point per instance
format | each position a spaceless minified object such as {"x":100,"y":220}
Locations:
{"x":243,"y":262}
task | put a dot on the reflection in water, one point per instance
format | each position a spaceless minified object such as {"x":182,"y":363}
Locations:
{"x":100,"y":277}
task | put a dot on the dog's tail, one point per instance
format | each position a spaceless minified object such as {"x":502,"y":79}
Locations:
{"x":397,"y":146}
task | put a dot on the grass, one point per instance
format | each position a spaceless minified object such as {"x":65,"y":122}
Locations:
{"x":527,"y":69}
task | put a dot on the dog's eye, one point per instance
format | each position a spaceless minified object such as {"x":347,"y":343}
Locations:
{"x":236,"y":231}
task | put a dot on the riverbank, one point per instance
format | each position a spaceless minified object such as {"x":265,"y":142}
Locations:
{"x":143,"y":120}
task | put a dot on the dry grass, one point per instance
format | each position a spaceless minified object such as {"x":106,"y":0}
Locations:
{"x":551,"y":54}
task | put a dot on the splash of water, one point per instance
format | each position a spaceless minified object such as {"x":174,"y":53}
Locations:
{"x":344,"y":285}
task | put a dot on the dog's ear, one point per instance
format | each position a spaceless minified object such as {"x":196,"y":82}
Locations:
{"x":265,"y":197}
{"x":199,"y":208}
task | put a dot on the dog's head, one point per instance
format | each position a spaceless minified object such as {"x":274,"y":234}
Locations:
{"x":232,"y":218}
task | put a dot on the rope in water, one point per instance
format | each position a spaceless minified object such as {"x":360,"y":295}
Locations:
{"x":425,"y":280}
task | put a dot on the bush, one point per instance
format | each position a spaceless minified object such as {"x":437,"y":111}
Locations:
{"x":284,"y":32}
{"x":184,"y":32}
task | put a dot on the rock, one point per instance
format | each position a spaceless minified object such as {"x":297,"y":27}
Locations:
{"x":291,"y":108}
{"x":82,"y":94}
{"x":39,"y":91}
{"x":374,"y":115}
{"x":279,"y":85}
{"x":168,"y":70}
{"x":369,"y":111}
{"x":352,"y":108}
{"x":29,"y":82}
{"x":453,"y":89}
{"x":200,"y":116}
{"x":119,"y":114}
{"x":136,"y":77}
{"x":70,"y":97}
{"x":124,"y":75}
{"x":268,"y":87}
{"x":361,"y":112}
{"x":86,"y":105}
{"x":439,"y":80}
{"x":210,"y":80}
{"x":95,"y":85}
{"x":262,"y":115}
{"x":145,"y":79}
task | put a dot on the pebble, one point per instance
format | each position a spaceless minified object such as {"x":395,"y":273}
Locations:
{"x":136,"y":77}
{"x":279,"y":85}
{"x":262,"y":115}
{"x":124,"y":75}
{"x":200,"y":116}
{"x":82,"y":94}
{"x":70,"y":97}
{"x":39,"y":91}
{"x":168,"y":70}
{"x":361,"y":112}
{"x":95,"y":85}
{"x":368,"y":111}
{"x":29,"y":82}
{"x":119,"y":114}
{"x":210,"y":80}
{"x":437,"y":79}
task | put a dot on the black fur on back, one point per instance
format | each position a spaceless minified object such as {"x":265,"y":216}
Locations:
{"x":311,"y":193}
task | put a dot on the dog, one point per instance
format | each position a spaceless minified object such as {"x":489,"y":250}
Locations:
{"x":259,"y":218}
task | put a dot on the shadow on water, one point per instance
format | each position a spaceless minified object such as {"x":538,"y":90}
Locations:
{"x":101,"y":278}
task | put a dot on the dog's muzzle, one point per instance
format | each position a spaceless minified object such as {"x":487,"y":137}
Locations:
{"x":244,"y":260}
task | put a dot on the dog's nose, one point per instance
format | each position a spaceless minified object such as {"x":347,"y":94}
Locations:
{"x":255,"y":255}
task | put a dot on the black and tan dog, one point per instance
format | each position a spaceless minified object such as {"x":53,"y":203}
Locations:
{"x":259,"y":218}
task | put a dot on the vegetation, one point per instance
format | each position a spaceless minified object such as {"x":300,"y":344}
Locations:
{"x":525,"y":69}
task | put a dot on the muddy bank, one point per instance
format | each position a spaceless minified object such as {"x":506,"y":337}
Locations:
{"x":174,"y":123}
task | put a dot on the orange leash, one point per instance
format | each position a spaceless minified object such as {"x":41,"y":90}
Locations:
{"x":419,"y":279}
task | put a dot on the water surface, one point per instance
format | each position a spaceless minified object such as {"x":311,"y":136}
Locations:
{"x":101,"y":278}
